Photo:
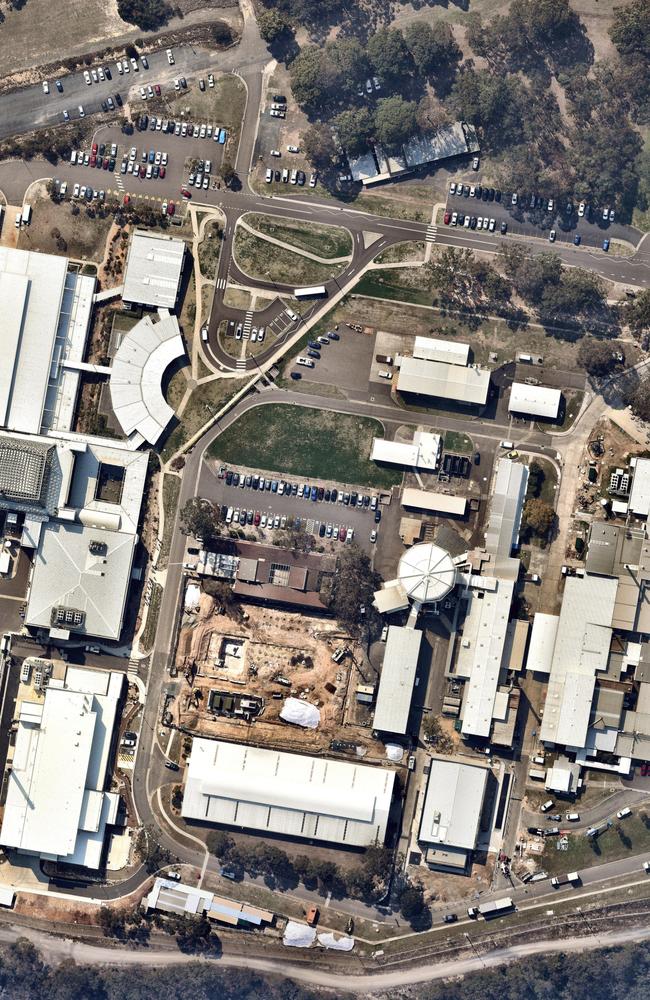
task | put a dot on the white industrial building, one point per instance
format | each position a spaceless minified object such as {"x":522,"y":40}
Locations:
{"x":451,"y":814}
{"x":290,"y":794}
{"x":170,"y":896}
{"x":535,"y":400}
{"x":154,"y":267}
{"x":56,"y":805}
{"x":46,"y":308}
{"x":422,"y":453}
{"x":436,"y":349}
{"x":640,"y":493}
{"x":397,"y":679}
{"x":542,"y":643}
{"x":144,"y":355}
{"x":580,"y":654}
{"x":509,"y":493}
{"x":468,"y":385}
{"x":435,"y":503}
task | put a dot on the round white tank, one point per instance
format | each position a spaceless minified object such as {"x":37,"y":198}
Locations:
{"x":427,"y":573}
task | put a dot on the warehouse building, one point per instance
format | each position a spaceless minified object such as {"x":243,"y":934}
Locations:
{"x":294,"y":795}
{"x":397,"y":680}
{"x":442,"y":380}
{"x":423,"y":452}
{"x":451,"y":814}
{"x":640,"y":494}
{"x":434,"y":503}
{"x":504,"y":523}
{"x":154,"y":268}
{"x":436,"y":349}
{"x":377,"y":164}
{"x":56,"y":806}
{"x":534,"y":401}
{"x":169,"y":896}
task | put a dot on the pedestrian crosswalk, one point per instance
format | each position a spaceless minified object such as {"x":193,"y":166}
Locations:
{"x":248,"y":322}
{"x":222,"y":282}
{"x":132,"y":668}
{"x":120,"y":185}
{"x":241,"y":364}
{"x":432,"y":232}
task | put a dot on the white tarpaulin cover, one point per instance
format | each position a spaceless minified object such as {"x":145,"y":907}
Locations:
{"x":192,"y":595}
{"x":298,"y":935}
{"x":339,"y":944}
{"x":300,"y":713}
{"x":394,"y":752}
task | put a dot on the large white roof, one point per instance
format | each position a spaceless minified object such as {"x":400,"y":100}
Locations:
{"x":397,"y":679}
{"x":640,"y":494}
{"x":140,"y":363}
{"x":453,"y":804}
{"x":31,"y":293}
{"x":534,"y":400}
{"x":436,"y":349}
{"x":443,"y":503}
{"x":581,"y":651}
{"x":423,"y":452}
{"x":56,"y":806}
{"x":290,"y":794}
{"x":427,"y":573}
{"x":446,"y":381}
{"x":542,"y":643}
{"x":508,"y":495}
{"x":153,"y":270}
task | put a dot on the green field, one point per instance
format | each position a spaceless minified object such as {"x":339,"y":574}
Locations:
{"x":399,"y":253}
{"x":305,"y":442}
{"x":204,"y":402}
{"x":386,"y":285}
{"x":458,"y":442}
{"x":324,"y":241}
{"x":262,"y":260}
{"x":626,"y":837}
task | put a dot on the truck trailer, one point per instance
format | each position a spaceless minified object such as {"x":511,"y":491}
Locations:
{"x":571,"y":879}
{"x":496,"y":907}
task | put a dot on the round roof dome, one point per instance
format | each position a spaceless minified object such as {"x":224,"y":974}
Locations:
{"x":427,"y":573}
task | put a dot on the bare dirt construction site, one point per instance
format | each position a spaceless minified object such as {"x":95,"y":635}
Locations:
{"x":239,"y":668}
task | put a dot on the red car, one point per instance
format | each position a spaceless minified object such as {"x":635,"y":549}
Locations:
{"x":93,"y":160}
{"x":94,"y":149}
{"x":342,"y":533}
{"x":171,"y":208}
{"x":256,"y":519}
{"x":126,"y":199}
{"x":105,"y":163}
{"x":162,"y":171}
{"x":447,"y":218}
{"x":186,"y":193}
{"x":644,"y":770}
{"x":157,"y":89}
{"x":143,"y":170}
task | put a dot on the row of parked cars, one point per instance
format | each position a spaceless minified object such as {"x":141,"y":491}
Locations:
{"x":474,"y":222}
{"x":190,"y":130}
{"x":260,"y":519}
{"x":304,"y":490}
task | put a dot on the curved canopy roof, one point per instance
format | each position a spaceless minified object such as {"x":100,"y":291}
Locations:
{"x":427,"y":573}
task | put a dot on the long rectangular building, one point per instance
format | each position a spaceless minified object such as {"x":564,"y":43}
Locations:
{"x":397,"y":679}
{"x":451,"y":814}
{"x":535,"y":400}
{"x":442,"y":503}
{"x":445,"y":381}
{"x":289,"y":794}
{"x":436,"y":349}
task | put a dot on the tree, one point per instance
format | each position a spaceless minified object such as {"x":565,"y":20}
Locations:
{"x":355,"y":128}
{"x":354,"y":586}
{"x":306,"y":869}
{"x":389,"y":55}
{"x":536,"y":477}
{"x":227,"y":172}
{"x":146,"y":14}
{"x":220,"y":843}
{"x":222,"y":33}
{"x":637,"y":313}
{"x":307,"y":77}
{"x":318,"y":144}
{"x":152,"y":855}
{"x":538,"y":517}
{"x":395,"y":120}
{"x":596,"y":356}
{"x":432,"y":48}
{"x":639,"y":399}
{"x":630,"y":30}
{"x":273,"y":24}
{"x":411,"y":903}
{"x":200,"y":518}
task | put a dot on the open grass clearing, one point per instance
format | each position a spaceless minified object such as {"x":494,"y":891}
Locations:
{"x":176,"y":388}
{"x":209,"y":250}
{"x":459,"y":443}
{"x":266,"y":262}
{"x":222,"y":104}
{"x":149,"y":633}
{"x":624,"y":838}
{"x":237,"y":298}
{"x":84,"y":235}
{"x":402,"y":253}
{"x":321,"y":240}
{"x":171,"y":489}
{"x":389,"y":285}
{"x":301,"y":441}
{"x":547,"y":488}
{"x":206,"y":400}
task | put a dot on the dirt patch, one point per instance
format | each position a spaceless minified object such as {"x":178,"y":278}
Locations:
{"x":55,"y":229}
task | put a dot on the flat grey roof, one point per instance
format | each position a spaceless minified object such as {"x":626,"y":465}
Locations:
{"x":453,"y":804}
{"x":508,"y":498}
{"x":446,"y":381}
{"x":397,"y":679}
{"x":153,"y":269}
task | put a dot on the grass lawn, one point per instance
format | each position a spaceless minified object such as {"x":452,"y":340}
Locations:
{"x":264,"y":261}
{"x":206,"y":399}
{"x":402,"y":252}
{"x":222,"y":104}
{"x":386,"y":285}
{"x":547,"y":490}
{"x":209,"y":249}
{"x":458,"y":442}
{"x":324,"y":241}
{"x":626,"y":837}
{"x":171,"y":489}
{"x":149,"y":633}
{"x":306,"y":442}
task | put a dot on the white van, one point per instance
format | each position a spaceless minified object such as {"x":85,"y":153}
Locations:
{"x":305,"y":362}
{"x":229,"y":515}
{"x":572,"y":817}
{"x":622,"y":813}
{"x":204,"y":334}
{"x":547,"y":805}
{"x":507,"y":444}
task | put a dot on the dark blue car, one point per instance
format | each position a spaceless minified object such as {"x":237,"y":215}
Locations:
{"x":314,"y":493}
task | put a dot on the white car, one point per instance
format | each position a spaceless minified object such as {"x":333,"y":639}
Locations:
{"x":260,"y":334}
{"x":118,"y":64}
{"x":292,"y":149}
{"x":276,"y":152}
{"x":454,"y":218}
{"x":163,"y":208}
{"x":515,"y":198}
{"x":369,"y":86}
{"x":125,"y":66}
{"x":581,"y":209}
{"x":206,"y":182}
{"x":100,"y":73}
{"x":472,"y":191}
{"x":143,"y":93}
{"x":164,"y":159}
{"x":177,"y":84}
{"x":492,"y":225}
{"x":202,"y":132}
{"x":134,"y":63}
{"x":210,"y":80}
{"x":277,"y":114}
{"x":46,"y":87}
{"x":452,"y":187}
{"x":376,"y":82}
{"x":63,"y":188}
{"x":93,"y":73}
{"x":550,"y":205}
{"x":479,"y":222}
{"x":313,"y":179}
{"x":133,"y":153}
{"x":75,"y":191}
{"x":81,"y":111}
{"x":87,"y":77}
{"x":66,"y":115}
{"x":158,"y":158}
{"x":170,"y":57}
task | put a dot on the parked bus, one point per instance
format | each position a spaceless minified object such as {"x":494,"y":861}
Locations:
{"x":313,"y":292}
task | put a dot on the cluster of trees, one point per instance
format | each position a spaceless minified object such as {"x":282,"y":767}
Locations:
{"x":637,"y":316}
{"x":146,"y":14}
{"x":536,"y":479}
{"x":538,"y":518}
{"x":150,"y":851}
{"x":200,"y":519}
{"x":530,"y":33}
{"x":597,"y":357}
{"x":465,"y":281}
{"x":638,"y":398}
{"x":367,"y":880}
{"x":555,"y":291}
{"x":353,"y":589}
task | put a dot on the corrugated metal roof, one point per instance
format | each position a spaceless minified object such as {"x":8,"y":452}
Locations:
{"x":481,"y":653}
{"x":452,"y":805}
{"x":640,"y":495}
{"x":446,"y":381}
{"x":153,"y":269}
{"x":542,"y":643}
{"x":509,"y":493}
{"x":441,"y":502}
{"x":397,"y":679}
{"x":534,"y":400}
{"x":436,"y":349}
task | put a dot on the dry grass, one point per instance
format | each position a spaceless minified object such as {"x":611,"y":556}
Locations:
{"x":85,"y":235}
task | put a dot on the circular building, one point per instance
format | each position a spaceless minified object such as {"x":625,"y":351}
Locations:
{"x":427,"y":573}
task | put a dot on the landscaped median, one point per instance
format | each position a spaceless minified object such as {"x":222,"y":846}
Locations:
{"x":265,"y":261}
{"x":323,"y":241}
{"x":302,"y":441}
